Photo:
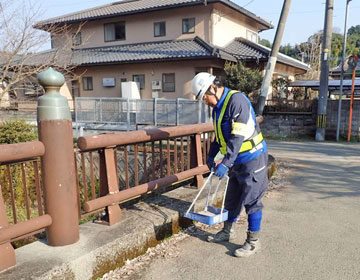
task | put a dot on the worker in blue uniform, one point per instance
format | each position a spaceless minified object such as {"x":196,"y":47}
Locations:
{"x":239,"y":139}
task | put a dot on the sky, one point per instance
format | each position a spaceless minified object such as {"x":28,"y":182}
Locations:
{"x":305,"y":18}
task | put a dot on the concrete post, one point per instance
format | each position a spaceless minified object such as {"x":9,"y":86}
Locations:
{"x":7,"y":252}
{"x":58,"y":163}
{"x":324,"y":76}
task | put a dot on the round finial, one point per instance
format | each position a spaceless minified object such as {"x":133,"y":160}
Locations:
{"x":51,"y":78}
{"x":52,"y":105}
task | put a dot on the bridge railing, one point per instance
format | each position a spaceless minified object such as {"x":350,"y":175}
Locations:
{"x":17,"y":161}
{"x":107,"y":170}
{"x":137,"y":162}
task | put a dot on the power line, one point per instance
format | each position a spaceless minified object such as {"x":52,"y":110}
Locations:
{"x":248,"y":3}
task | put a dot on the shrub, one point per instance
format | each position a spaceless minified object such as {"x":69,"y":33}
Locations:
{"x":17,"y":131}
{"x":242,"y":78}
{"x":14,"y":132}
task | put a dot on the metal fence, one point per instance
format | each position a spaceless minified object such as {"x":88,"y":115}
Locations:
{"x":92,"y":112}
{"x":283,"y":105}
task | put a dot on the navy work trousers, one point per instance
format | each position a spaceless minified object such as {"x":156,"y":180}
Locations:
{"x":247,"y":185}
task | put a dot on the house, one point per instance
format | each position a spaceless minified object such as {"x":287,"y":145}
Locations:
{"x":161,"y":45}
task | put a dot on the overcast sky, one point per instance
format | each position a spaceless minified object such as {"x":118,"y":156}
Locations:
{"x":306,"y":16}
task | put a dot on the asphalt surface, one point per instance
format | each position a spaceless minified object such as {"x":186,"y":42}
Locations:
{"x":310,"y":231}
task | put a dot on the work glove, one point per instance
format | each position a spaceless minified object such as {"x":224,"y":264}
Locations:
{"x":221,"y":170}
{"x":211,"y":163}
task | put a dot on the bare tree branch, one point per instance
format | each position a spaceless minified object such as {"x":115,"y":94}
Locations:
{"x":20,"y":43}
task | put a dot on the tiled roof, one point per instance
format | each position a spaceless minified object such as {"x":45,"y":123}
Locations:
{"x":239,"y":49}
{"x":138,"y":6}
{"x":246,"y":50}
{"x":142,"y":52}
{"x":165,"y":50}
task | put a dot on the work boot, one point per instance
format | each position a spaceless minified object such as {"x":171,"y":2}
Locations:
{"x":225,"y":234}
{"x":250,"y":247}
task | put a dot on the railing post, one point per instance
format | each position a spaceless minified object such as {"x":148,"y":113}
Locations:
{"x":109,"y":183}
{"x":58,"y":163}
{"x":196,"y":158}
{"x":7,"y":252}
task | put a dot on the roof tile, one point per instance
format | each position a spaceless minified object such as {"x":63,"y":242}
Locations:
{"x":137,"y":6}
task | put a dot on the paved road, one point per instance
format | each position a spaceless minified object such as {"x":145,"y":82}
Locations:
{"x":312,"y":231}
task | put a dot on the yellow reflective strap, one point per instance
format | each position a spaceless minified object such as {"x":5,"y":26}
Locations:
{"x":241,"y":129}
{"x":220,"y":134}
{"x":215,"y":128}
{"x":247,"y":145}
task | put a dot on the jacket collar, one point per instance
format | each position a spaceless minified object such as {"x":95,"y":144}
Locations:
{"x":222,"y":99}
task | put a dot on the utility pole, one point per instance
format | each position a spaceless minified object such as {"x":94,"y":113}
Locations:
{"x":324,"y":77}
{"x":272,"y":59}
{"x":342,"y":72}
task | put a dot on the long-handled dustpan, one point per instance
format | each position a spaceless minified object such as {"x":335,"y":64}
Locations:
{"x":210,"y":215}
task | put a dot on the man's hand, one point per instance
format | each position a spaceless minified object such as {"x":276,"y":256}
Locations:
{"x":210,"y":163}
{"x":221,"y":170}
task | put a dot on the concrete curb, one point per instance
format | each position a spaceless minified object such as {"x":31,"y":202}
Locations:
{"x":102,"y":248}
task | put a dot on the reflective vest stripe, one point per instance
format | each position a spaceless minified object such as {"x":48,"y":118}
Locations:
{"x":217,"y":125}
{"x":246,"y":145}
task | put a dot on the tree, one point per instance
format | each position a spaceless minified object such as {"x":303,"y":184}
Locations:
{"x":242,"y":78}
{"x":20,"y":44}
{"x":288,"y":50}
{"x":265,"y":43}
{"x":336,"y":49}
{"x":311,"y":52}
{"x":354,"y":30}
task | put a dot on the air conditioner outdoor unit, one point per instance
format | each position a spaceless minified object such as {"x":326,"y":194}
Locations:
{"x":156,"y":84}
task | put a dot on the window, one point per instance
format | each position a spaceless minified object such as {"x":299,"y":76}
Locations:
{"x":114,"y":31}
{"x":76,"y":39}
{"x":140,"y":79}
{"x":87,"y":83}
{"x":159,"y":29}
{"x":168,"y":82}
{"x":188,"y":25}
{"x":252,"y":36}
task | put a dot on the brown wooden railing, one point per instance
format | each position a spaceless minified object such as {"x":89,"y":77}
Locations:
{"x":17,"y":161}
{"x":118,"y":167}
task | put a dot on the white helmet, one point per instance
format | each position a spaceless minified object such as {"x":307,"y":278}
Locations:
{"x":201,"y":83}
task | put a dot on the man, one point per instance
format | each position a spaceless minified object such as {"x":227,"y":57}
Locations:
{"x":238,"y":138}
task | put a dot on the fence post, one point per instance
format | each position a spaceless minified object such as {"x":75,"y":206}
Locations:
{"x":155,"y":111}
{"x":196,"y":158}
{"x":101,"y":110}
{"x":76,"y":118}
{"x":177,"y":111}
{"x":58,"y":163}
{"x":7,"y":252}
{"x":199,"y":111}
{"x":128,"y":113}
